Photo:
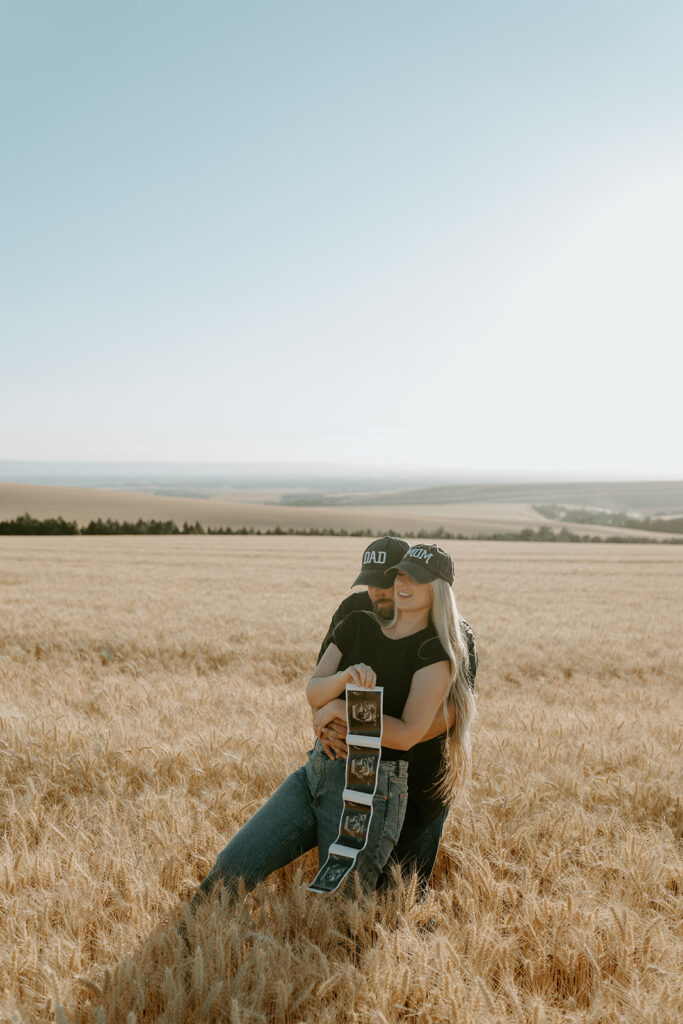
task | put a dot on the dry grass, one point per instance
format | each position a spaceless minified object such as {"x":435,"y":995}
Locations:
{"x":151,"y":698}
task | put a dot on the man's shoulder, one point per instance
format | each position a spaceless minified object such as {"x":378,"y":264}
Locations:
{"x":353,"y":626}
{"x":429,"y":649}
{"x":354,"y":620}
{"x":354,"y":603}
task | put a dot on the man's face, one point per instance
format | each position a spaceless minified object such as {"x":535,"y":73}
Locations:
{"x":382,"y":600}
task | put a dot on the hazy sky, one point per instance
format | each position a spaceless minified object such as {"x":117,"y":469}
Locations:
{"x":413,"y":234}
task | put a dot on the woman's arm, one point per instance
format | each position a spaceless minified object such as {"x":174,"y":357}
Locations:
{"x":334,"y":714}
{"x":326,"y":683}
{"x":328,"y":712}
{"x":329,"y":724}
{"x":425,"y":699}
{"x":440,"y":724}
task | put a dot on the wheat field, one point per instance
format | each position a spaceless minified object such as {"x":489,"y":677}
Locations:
{"x":151,"y":698}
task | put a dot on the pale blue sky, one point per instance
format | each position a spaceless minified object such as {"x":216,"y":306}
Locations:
{"x":404,"y":234}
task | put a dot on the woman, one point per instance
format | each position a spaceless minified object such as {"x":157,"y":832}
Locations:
{"x":421,"y":660}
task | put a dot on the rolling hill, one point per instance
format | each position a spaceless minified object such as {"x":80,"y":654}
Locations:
{"x":471,"y":510}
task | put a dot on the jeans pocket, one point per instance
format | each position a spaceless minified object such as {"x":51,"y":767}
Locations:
{"x":395,"y":809}
{"x":315,"y":772}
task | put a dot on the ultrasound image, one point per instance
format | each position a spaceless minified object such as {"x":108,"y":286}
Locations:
{"x":355,"y":824}
{"x":332,"y":873}
{"x":361,"y":769}
{"x":364,"y":712}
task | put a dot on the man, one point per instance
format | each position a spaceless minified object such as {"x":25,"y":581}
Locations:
{"x":418,"y":844}
{"x":378,"y":557}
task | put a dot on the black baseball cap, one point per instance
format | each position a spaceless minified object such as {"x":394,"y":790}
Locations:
{"x":379,"y":558}
{"x":425,"y":563}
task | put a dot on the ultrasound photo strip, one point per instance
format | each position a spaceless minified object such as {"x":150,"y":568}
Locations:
{"x":364,"y":742}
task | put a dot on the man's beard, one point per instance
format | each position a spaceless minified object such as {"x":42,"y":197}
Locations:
{"x":383,"y":611}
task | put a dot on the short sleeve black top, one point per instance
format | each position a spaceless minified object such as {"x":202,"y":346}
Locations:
{"x":361,"y":602}
{"x":360,"y":639}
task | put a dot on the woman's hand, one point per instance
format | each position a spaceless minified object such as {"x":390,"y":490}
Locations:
{"x":362,"y":676}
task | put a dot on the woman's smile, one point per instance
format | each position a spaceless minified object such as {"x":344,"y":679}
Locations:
{"x":409,"y":595}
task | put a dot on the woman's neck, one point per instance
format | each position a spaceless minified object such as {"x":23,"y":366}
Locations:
{"x":405,"y":624}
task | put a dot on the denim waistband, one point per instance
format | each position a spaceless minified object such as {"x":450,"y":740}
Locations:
{"x":397,"y":768}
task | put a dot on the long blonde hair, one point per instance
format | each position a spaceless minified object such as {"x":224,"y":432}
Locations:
{"x":446,"y":620}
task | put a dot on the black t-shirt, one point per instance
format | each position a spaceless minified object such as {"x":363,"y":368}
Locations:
{"x":360,"y":639}
{"x":424,"y":775}
{"x":359,"y":602}
{"x":426,"y":758}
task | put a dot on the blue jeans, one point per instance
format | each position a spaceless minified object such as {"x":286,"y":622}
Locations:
{"x":416,"y":850}
{"x":304,"y":812}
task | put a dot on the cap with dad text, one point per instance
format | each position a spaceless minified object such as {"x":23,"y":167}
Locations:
{"x":379,"y":558}
{"x":427,"y":562}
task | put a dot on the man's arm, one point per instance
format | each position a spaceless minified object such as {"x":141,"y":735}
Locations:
{"x":473,"y":657}
{"x":333,"y":738}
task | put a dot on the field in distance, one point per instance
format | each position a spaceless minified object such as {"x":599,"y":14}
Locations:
{"x":151,"y":697}
{"x":473,"y":513}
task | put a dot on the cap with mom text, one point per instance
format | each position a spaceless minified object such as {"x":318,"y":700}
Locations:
{"x":425,"y":563}
{"x":378,"y":561}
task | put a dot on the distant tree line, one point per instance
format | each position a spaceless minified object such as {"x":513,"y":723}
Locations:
{"x":26,"y":525}
{"x":47,"y":527}
{"x":598,"y":517}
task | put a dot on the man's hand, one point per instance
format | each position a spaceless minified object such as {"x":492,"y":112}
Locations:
{"x":329,"y":725}
{"x":333,"y":739}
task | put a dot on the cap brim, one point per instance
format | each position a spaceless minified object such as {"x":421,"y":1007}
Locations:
{"x":376,"y":578}
{"x":417,"y":571}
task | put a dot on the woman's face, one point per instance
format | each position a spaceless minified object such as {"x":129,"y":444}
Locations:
{"x":411,"y":596}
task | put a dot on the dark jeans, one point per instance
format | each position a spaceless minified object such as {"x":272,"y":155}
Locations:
{"x":416,"y":851}
{"x":304,"y":812}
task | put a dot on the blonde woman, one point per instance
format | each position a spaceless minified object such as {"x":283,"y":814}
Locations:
{"x":440,"y":765}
